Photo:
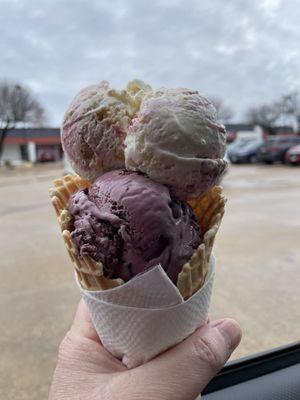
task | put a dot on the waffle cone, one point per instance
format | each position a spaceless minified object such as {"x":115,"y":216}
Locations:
{"x":89,"y":272}
{"x":209,"y":210}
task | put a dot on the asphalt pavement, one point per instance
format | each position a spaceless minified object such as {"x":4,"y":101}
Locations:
{"x":257,"y":278}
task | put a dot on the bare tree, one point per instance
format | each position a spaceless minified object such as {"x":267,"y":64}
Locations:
{"x":290,"y":104}
{"x":17,"y":106}
{"x":264,"y":115}
{"x":225,"y":113}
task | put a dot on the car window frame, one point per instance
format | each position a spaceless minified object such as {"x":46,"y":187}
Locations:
{"x":255,"y":366}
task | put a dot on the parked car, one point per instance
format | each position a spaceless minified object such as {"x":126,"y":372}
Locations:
{"x":238,"y":144}
{"x":46,"y":156}
{"x":293,"y":155}
{"x":246,"y":153}
{"x":274,"y":149}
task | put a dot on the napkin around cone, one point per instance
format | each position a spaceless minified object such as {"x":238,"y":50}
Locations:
{"x":145,"y":316}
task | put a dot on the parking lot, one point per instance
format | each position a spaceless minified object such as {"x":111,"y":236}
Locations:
{"x":258,"y":269}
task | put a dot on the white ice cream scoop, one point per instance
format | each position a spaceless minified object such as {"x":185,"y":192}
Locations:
{"x":176,"y":140}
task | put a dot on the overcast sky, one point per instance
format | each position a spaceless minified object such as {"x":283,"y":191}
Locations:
{"x":243,"y":51}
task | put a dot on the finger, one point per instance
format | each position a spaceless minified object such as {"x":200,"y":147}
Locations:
{"x":83,"y":325}
{"x":185,"y":370}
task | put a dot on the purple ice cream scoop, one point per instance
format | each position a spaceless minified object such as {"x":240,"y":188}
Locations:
{"x":131,"y":223}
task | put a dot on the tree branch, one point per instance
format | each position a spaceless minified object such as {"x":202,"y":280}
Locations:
{"x":17,"y":106}
{"x":3,"y":134}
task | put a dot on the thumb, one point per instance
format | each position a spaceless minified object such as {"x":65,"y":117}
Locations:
{"x":183,"y":371}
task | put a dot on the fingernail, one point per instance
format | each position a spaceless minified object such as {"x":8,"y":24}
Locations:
{"x":230,"y":331}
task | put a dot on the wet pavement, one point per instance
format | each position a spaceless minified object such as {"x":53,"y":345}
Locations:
{"x":257,"y":278}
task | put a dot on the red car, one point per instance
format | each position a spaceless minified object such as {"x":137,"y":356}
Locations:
{"x":275,"y":147}
{"x":293,"y":155}
{"x":46,"y":156}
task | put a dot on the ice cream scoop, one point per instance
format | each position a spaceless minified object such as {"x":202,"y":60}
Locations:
{"x":176,"y":140}
{"x":95,"y":125}
{"x":131,"y":223}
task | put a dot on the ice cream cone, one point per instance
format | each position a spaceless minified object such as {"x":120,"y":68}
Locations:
{"x":209,"y":210}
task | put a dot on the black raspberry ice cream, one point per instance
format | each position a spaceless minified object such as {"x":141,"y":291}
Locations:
{"x":131,"y":223}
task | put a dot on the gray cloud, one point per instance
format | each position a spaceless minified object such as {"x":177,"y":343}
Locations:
{"x":245,"y":52}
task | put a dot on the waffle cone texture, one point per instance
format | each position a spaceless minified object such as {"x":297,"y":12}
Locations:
{"x":208,"y":208}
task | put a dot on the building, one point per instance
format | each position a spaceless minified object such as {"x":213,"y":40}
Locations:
{"x":240,"y":131}
{"x":281,"y":130}
{"x":245,"y":131}
{"x":44,"y":144}
{"x":32,"y":144}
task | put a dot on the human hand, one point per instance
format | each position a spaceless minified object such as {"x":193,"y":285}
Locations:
{"x":86,"y":371}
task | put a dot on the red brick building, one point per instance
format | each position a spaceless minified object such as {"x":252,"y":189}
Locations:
{"x":32,"y":144}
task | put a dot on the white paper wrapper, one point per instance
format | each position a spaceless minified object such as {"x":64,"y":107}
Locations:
{"x":145,"y":316}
